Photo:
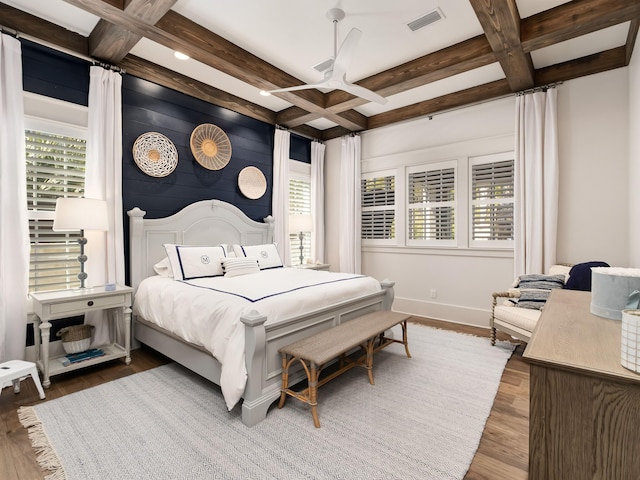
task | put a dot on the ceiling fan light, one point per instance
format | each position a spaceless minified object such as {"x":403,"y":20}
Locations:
{"x":180,"y":55}
{"x":264,"y":93}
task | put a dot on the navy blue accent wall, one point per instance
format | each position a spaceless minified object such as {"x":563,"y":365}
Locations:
{"x":54,"y":74}
{"x":148,"y":107}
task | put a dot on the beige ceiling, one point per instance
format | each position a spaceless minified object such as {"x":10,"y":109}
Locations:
{"x":481,"y":49}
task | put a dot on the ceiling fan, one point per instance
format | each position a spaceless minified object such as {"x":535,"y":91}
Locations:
{"x":335,"y":72}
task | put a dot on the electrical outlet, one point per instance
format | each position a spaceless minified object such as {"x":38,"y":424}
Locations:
{"x":433,"y":293}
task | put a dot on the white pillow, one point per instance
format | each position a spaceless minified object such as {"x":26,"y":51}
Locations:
{"x":163,"y":268}
{"x":194,"y":261}
{"x":266,"y":254}
{"x":228,"y":250}
{"x":234,"y":267}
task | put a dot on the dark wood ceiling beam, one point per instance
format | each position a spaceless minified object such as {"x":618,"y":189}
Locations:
{"x":501,"y":24}
{"x":151,"y":72}
{"x":111,"y":42}
{"x":469,"y":96}
{"x":631,"y":39}
{"x":36,"y":27}
{"x":292,"y":116}
{"x":179,"y":33}
{"x":462,"y":57}
{"x":581,"y":67}
{"x":334,"y":132}
{"x":573,"y":19}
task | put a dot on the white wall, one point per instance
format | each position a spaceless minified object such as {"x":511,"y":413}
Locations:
{"x":594,"y":151}
{"x":634,"y":158}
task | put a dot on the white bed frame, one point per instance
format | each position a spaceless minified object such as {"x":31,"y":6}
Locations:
{"x":210,"y":222}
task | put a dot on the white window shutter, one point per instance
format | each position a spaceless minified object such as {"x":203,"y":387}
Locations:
{"x":55,"y":166}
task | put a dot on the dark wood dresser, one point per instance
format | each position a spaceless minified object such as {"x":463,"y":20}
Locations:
{"x":584,"y":411}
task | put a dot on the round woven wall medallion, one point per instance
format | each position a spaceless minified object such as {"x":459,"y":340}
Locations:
{"x":155,"y":154}
{"x":252,"y":182}
{"x":210,"y":146}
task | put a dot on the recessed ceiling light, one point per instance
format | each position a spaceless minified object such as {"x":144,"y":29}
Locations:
{"x":181,"y":56}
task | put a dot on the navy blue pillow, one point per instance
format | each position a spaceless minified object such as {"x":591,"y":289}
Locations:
{"x":580,"y":276}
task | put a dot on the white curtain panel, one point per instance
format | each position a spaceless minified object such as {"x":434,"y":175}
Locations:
{"x":14,"y":225}
{"x":536,"y":182}
{"x":317,"y":200}
{"x":280,"y":193}
{"x":103,"y":180}
{"x":350,"y":236}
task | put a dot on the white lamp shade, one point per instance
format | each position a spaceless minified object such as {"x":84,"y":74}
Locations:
{"x":74,"y":214}
{"x":300,"y":223}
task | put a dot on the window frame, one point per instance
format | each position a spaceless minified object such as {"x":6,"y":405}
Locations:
{"x":300,"y":171}
{"x":66,"y":119}
{"x":381,"y":174}
{"x":483,"y":160}
{"x":427,"y":167}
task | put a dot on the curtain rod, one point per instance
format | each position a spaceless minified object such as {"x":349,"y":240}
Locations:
{"x":39,"y":41}
{"x":542,"y":88}
{"x":8,"y":31}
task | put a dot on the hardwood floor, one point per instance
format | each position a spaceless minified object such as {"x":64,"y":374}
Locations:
{"x":502,"y":453}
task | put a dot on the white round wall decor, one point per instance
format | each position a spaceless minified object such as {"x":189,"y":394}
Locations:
{"x":155,"y":154}
{"x":210,"y":146}
{"x":252,"y":182}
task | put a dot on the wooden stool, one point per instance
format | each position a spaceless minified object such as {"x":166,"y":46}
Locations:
{"x":14,"y":371}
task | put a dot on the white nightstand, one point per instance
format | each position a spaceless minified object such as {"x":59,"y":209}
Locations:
{"x":314,"y":266}
{"x":54,"y":305}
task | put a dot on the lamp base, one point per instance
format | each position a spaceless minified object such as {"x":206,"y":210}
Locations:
{"x":301,"y":237}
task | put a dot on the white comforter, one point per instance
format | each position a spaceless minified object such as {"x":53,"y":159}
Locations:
{"x":207,"y":311}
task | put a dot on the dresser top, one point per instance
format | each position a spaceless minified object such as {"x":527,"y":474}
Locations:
{"x":569,"y":336}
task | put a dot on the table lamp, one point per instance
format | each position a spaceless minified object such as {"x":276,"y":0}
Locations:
{"x":301,"y":223}
{"x":73,"y":214}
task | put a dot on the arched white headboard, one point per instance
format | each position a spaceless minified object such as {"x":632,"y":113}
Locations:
{"x":207,"y":222}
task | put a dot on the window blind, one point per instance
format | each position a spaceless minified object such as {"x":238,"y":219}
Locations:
{"x":431,"y":213}
{"x":378,"y":199}
{"x":492,"y":187}
{"x":55,"y":167}
{"x":299,"y":202}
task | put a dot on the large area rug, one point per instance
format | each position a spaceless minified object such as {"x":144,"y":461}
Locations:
{"x":423,"y":419}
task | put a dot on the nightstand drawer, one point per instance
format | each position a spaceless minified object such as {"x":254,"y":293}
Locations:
{"x":88,"y":303}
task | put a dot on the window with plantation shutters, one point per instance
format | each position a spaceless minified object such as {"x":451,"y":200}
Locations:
{"x":431,"y":206}
{"x":299,"y":203}
{"x":378,"y":200}
{"x":491,"y":199}
{"x":55,"y":167}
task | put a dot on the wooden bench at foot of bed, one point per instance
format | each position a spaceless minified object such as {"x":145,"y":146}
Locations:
{"x":315,"y":351}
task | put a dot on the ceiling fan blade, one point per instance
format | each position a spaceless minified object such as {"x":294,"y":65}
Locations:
{"x":298,"y":87}
{"x":362,"y":92}
{"x":345,"y":54}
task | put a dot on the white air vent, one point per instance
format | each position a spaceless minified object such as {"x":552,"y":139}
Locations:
{"x":426,"y":19}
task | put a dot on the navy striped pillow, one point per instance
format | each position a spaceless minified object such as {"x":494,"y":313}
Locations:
{"x":535,"y":289}
{"x":540,"y":282}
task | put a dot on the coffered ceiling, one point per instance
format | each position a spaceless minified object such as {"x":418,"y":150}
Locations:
{"x":479,"y":50}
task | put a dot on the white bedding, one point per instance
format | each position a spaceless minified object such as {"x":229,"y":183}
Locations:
{"x":207,"y":311}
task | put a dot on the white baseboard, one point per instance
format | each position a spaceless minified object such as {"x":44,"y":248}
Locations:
{"x":439,"y":311}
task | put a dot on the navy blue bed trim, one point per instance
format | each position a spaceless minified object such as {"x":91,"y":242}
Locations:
{"x":274,"y":294}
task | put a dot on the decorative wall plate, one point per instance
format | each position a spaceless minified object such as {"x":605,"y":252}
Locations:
{"x":252,"y":182}
{"x":155,"y":154}
{"x":210,"y":146}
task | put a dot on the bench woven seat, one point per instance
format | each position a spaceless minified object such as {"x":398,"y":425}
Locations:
{"x":317,"y":350}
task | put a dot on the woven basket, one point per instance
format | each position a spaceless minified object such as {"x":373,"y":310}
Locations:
{"x":75,"y":339}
